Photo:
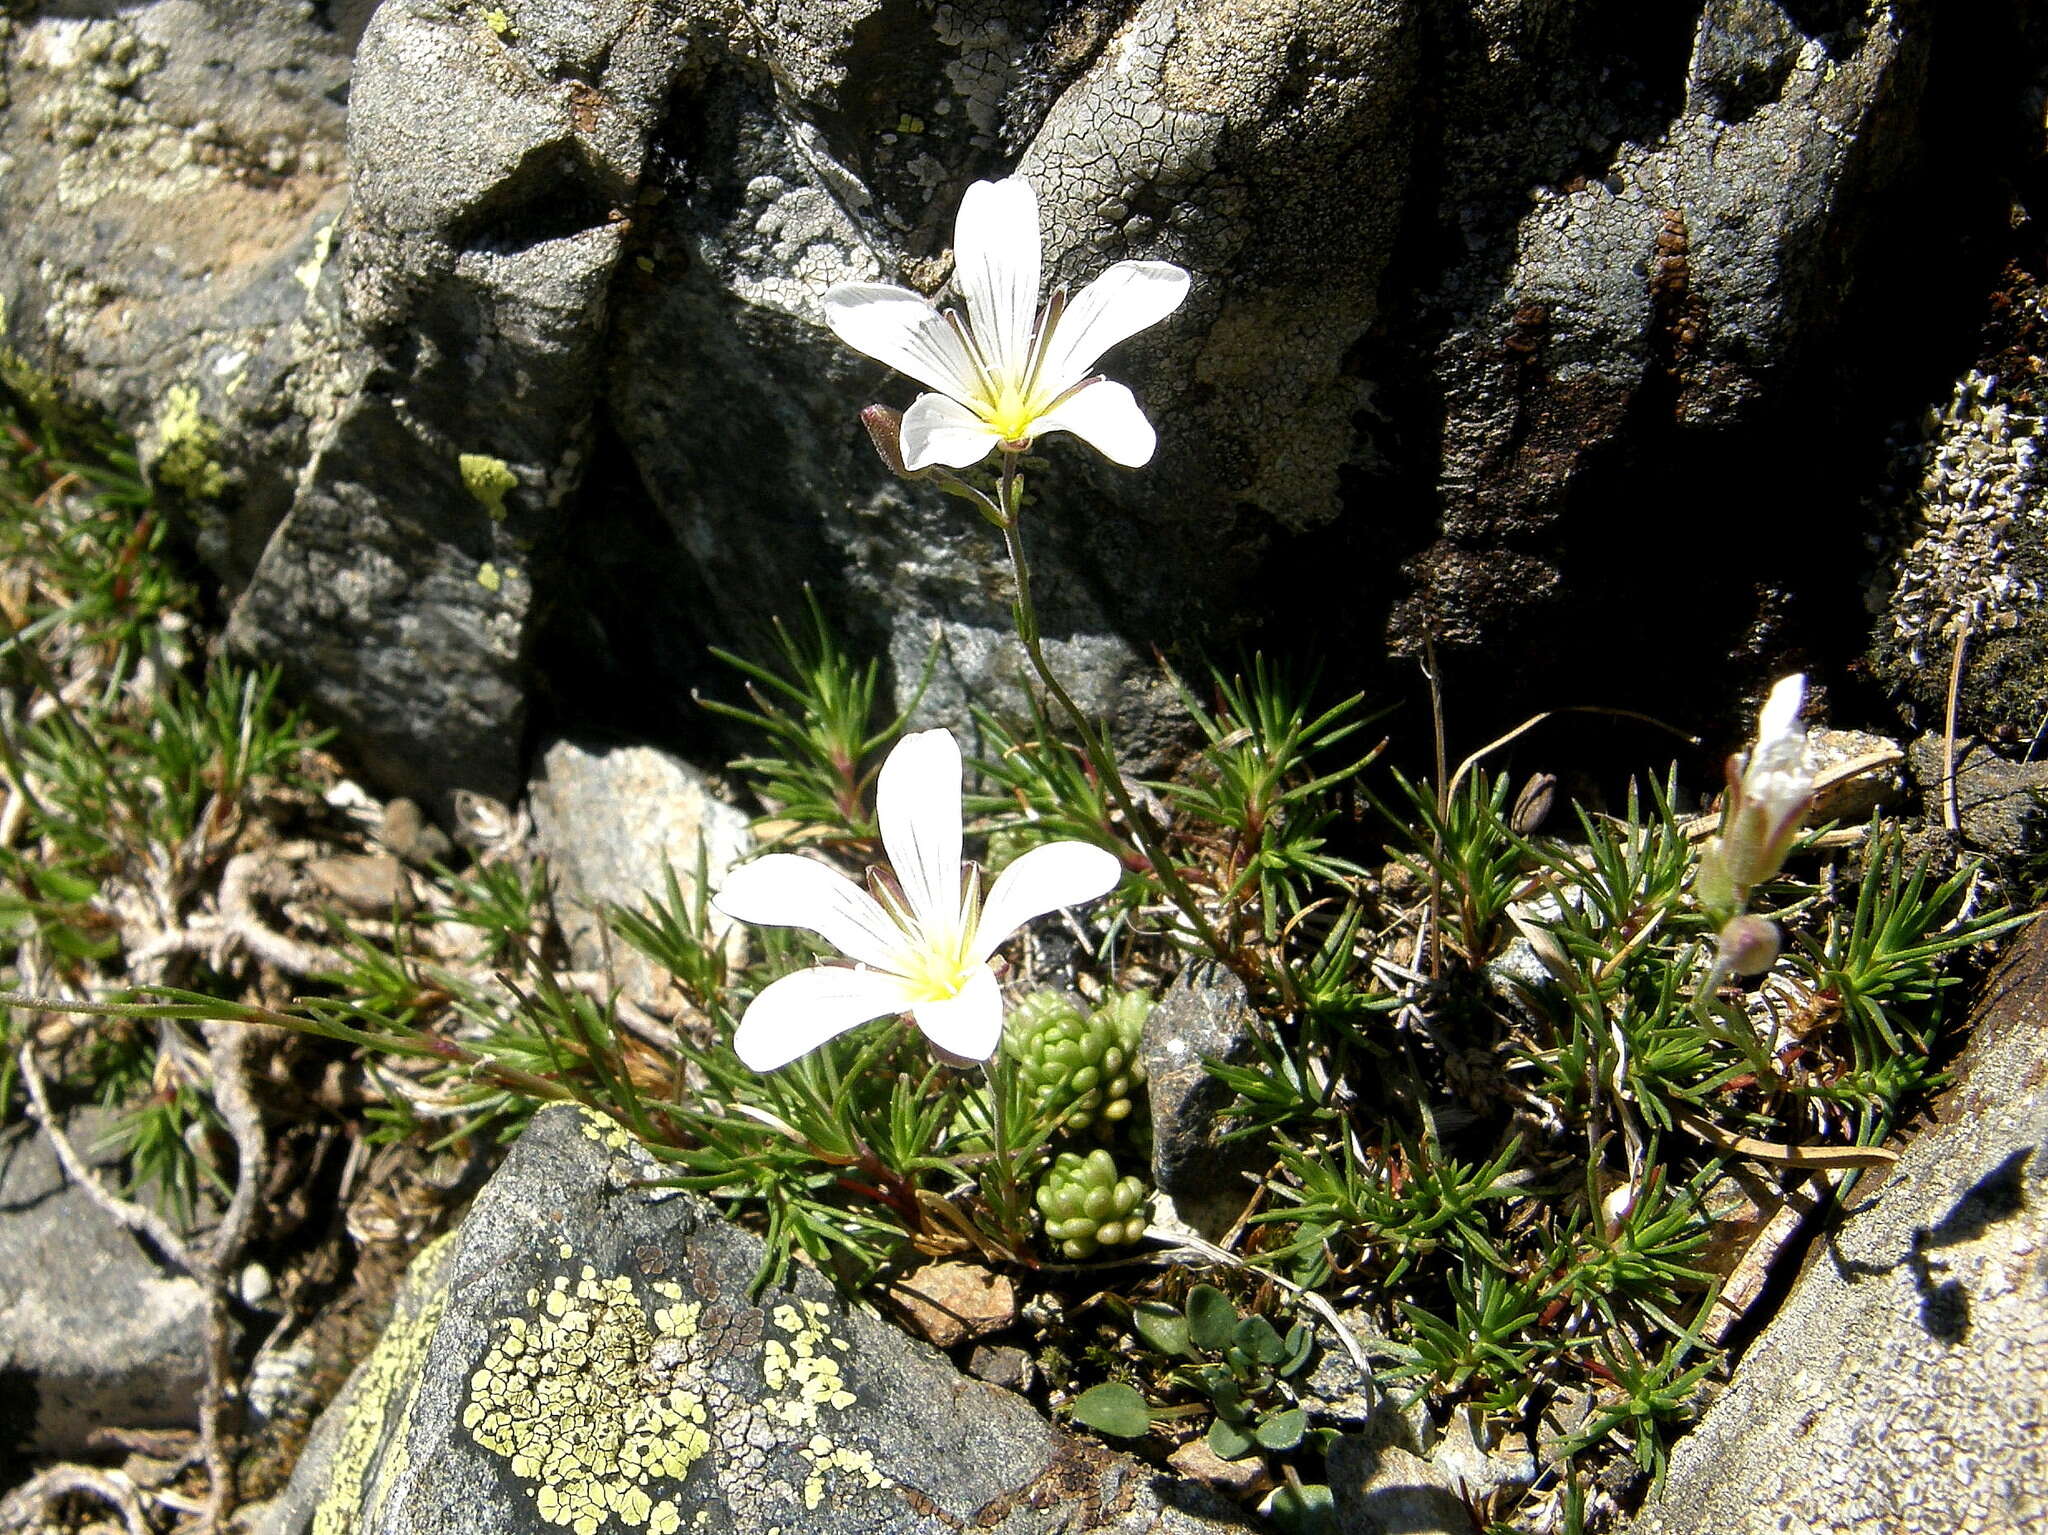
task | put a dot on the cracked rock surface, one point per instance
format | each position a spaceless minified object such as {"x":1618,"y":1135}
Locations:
{"x":485,"y":343}
{"x":582,"y":1353}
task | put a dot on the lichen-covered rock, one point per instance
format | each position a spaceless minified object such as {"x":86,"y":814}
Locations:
{"x":583,"y":1354}
{"x":1968,"y":527}
{"x":171,"y":174}
{"x":492,"y":170}
{"x":1904,"y":1384}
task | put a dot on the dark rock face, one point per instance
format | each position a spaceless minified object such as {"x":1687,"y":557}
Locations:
{"x":480,"y":248}
{"x":1904,"y":1384}
{"x":1481,"y":292}
{"x":583,"y":1353}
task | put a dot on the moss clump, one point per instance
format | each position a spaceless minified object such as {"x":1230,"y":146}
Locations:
{"x":489,"y":480}
{"x":186,"y":441}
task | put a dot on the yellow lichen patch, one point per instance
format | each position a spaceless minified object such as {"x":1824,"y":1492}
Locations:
{"x":799,"y":1364}
{"x":602,"y":1127}
{"x":489,"y":480}
{"x":387,"y":1370}
{"x":308,"y":271}
{"x":186,"y":440}
{"x":591,"y":1404}
{"x":826,"y":1457}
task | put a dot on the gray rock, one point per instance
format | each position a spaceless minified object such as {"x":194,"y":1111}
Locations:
{"x":1205,"y":1013}
{"x":1382,"y":1489}
{"x":1669,"y":270}
{"x":1852,"y":799}
{"x":1998,"y":802}
{"x":490,"y":171}
{"x":1337,"y":1393}
{"x":1481,"y":1458}
{"x":1904,"y":1384}
{"x":584,"y":1352}
{"x":93,"y":1330}
{"x":171,"y":177}
{"x":614,"y":824}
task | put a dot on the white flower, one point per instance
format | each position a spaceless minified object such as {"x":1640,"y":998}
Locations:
{"x":924,"y":947}
{"x":1002,"y":379}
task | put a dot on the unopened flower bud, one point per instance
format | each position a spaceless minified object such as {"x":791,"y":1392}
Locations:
{"x":885,"y":431}
{"x":1749,"y":945}
{"x":1769,"y":793}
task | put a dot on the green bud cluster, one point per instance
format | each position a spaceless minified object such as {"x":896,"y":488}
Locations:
{"x":1082,"y":1069}
{"x":1087,"y":1206}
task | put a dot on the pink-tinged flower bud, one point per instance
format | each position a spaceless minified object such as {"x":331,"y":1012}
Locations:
{"x":885,"y":431}
{"x":1749,"y":946}
{"x":1769,"y":793}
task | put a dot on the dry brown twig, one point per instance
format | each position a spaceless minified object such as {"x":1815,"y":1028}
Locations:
{"x":1951,"y":809}
{"x":29,"y":1506}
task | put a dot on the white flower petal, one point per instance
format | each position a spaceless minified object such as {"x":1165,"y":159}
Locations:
{"x":937,"y":430}
{"x":783,"y":890}
{"x":1776,"y":773}
{"x":1106,"y":417}
{"x":807,"y":1007}
{"x":995,"y":263}
{"x":1780,"y":714}
{"x":968,"y":1024}
{"x":1049,"y":876}
{"x":1124,"y":300}
{"x":895,"y":326}
{"x":917,"y":801}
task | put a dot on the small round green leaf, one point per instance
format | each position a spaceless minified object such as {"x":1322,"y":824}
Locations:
{"x":1300,"y":1343}
{"x":1163,"y":1328}
{"x":1211,"y":1318}
{"x":1228,"y":1441}
{"x":1255,"y":1335}
{"x":1306,"y":1510}
{"x":1113,"y":1408}
{"x":1283,"y":1430}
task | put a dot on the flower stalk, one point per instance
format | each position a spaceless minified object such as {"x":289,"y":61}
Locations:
{"x":1002,"y":375}
{"x":1009,"y":509}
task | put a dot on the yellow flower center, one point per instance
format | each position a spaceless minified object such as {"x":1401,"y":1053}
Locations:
{"x":1012,"y":417}
{"x":936,"y":966}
